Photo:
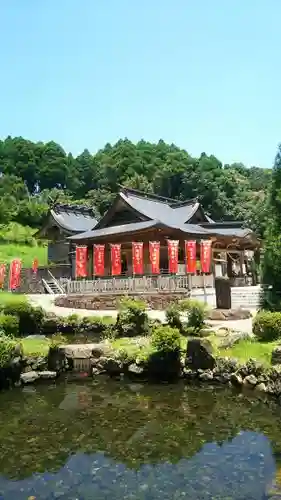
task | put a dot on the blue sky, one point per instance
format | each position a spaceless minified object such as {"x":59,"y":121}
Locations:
{"x":204,"y":74}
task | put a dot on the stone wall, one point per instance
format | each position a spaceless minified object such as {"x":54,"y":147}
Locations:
{"x":157,"y":301}
{"x":245,"y":297}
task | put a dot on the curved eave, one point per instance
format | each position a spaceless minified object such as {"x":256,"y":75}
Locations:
{"x":110,"y":213}
{"x":58,"y":218}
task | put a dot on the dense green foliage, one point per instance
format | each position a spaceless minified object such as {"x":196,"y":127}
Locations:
{"x":267,"y":325}
{"x":31,"y":172}
{"x":132,"y":318}
{"x":271,"y":266}
{"x":192,"y":310}
{"x":165,"y":339}
{"x":7,"y":347}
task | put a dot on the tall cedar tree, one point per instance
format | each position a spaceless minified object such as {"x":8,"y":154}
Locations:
{"x":271,"y":268}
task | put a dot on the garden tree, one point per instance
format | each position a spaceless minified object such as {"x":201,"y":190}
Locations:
{"x":271,"y":267}
{"x":33,"y":171}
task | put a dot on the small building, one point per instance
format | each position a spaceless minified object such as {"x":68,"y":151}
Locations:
{"x":63,"y":221}
{"x":138,"y":216}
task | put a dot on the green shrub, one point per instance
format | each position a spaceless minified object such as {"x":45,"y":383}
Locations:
{"x":9,"y":325}
{"x":71,"y":324}
{"x":51,"y":325}
{"x":267,"y":325}
{"x":7,"y":347}
{"x":93,"y":325}
{"x":57,"y":340}
{"x":165,"y":339}
{"x":196,"y":311}
{"x":132,"y":319}
{"x":30,"y":318}
{"x":173,"y":316}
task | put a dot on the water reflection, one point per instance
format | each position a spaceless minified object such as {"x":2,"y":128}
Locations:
{"x":107,"y":440}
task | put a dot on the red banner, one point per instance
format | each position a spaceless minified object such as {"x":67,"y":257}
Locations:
{"x":154,"y":256}
{"x":81,"y":262}
{"x":2,"y":274}
{"x":99,"y":260}
{"x":115,"y":259}
{"x":137,"y":254}
{"x":35,"y":266}
{"x":173,"y":254}
{"x":205,"y":255}
{"x":15,"y":269}
{"x":190,"y":255}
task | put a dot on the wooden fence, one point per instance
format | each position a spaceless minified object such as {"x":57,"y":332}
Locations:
{"x":148,"y":284}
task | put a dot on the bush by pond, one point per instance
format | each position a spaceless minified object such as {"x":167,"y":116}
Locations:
{"x":9,"y":324}
{"x":30,"y":318}
{"x":267,"y":325}
{"x":132,"y":318}
{"x":195,"y":312}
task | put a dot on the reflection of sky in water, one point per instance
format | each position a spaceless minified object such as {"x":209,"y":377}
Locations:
{"x":239,"y":469}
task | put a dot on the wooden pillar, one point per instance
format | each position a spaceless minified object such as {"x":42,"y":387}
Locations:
{"x":242,"y":258}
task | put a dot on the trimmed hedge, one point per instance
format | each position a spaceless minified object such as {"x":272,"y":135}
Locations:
{"x":267,"y":325}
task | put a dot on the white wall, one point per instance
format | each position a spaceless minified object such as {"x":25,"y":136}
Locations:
{"x":247,"y":297}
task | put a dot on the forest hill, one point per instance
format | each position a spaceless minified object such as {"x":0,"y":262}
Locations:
{"x":33,"y":172}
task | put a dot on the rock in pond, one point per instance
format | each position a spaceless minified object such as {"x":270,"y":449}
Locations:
{"x":200,"y":354}
{"x":250,"y":381}
{"x":236,"y":379}
{"x":261,"y":387}
{"x":206,"y":376}
{"x":135,"y":369}
{"x":29,"y":377}
{"x":48,"y":375}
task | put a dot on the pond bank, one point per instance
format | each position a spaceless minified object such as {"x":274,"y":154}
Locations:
{"x":199,"y":365}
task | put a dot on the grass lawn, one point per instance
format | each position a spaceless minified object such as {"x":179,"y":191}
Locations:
{"x":11,"y":298}
{"x":10,"y":251}
{"x":246,"y":349}
{"x":35,"y":347}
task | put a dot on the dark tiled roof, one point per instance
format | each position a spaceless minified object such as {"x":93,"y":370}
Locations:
{"x":168,"y":212}
{"x":139,"y":226}
{"x":73,"y":218}
{"x":107,"y":231}
{"x":234,"y":232}
{"x":192,"y":229}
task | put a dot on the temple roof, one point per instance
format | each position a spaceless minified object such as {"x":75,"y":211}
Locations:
{"x":192,"y":229}
{"x":149,"y":206}
{"x":70,"y":218}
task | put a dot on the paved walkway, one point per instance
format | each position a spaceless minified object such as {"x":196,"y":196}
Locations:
{"x":47,"y":303}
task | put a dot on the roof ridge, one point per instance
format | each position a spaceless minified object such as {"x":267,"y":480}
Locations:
{"x":65,"y":207}
{"x":144,"y":195}
{"x":178,"y":204}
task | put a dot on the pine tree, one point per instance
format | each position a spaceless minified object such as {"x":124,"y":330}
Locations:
{"x":271,"y":267}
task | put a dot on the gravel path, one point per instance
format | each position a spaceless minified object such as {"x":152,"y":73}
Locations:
{"x":47,"y":303}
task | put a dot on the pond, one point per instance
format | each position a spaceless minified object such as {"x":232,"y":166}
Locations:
{"x":117,"y":440}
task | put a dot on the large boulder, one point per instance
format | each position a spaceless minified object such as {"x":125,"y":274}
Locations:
{"x":276,"y":356}
{"x":229,"y":314}
{"x":29,"y":378}
{"x":200,"y":354}
{"x":56,"y":359}
{"x":233,"y":338}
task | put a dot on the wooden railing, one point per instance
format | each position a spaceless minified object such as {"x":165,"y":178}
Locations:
{"x":137,"y":285}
